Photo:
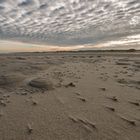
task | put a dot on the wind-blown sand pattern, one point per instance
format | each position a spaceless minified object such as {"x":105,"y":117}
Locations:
{"x":70,"y":96}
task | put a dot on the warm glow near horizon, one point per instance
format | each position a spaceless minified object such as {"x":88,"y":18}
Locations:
{"x":16,"y":46}
{"x":13,"y":46}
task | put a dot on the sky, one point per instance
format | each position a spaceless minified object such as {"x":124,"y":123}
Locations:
{"x":69,"y":24}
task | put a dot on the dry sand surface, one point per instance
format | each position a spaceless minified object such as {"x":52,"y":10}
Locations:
{"x":70,"y":96}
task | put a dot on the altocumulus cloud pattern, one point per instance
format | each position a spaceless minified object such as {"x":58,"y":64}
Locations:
{"x":68,"y":22}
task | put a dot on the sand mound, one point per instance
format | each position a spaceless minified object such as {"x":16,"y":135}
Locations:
{"x":7,"y":80}
{"x":128,"y":82}
{"x":122,"y":63}
{"x":41,"y":83}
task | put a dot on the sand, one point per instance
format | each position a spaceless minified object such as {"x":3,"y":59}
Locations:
{"x":70,"y":96}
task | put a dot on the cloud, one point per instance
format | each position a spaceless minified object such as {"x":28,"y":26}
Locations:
{"x":24,"y":2}
{"x":68,"y":22}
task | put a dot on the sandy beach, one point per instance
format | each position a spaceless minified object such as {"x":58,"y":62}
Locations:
{"x":70,"y":96}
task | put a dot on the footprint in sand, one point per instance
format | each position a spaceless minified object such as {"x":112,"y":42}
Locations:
{"x":110,"y":108}
{"x":103,"y":89}
{"x":1,"y":113}
{"x":114,"y":98}
{"x":132,"y":122}
{"x":77,"y":93}
{"x":2,"y":103}
{"x":134,"y":103}
{"x":71,"y":84}
{"x":29,"y":128}
{"x":82,"y":99}
{"x":34,"y":102}
{"x":85,"y":123}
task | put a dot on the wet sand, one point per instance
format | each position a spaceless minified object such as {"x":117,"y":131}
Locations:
{"x":70,"y":96}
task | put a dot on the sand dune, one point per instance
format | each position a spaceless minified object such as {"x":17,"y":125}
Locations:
{"x":70,"y":96}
